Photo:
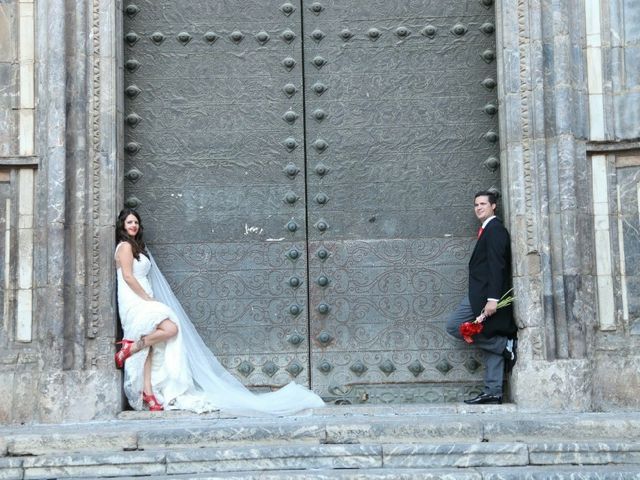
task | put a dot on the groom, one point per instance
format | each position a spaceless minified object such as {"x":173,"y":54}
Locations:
{"x":489,"y":280}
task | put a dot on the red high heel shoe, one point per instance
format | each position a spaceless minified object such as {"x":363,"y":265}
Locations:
{"x":152,"y":402}
{"x":124,"y":352}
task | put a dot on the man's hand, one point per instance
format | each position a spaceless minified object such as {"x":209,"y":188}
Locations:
{"x":490,"y":308}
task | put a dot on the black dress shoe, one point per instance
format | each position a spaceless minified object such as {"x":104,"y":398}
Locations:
{"x":484,"y":398}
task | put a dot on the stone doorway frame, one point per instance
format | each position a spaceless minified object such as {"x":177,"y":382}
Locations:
{"x":543,"y":163}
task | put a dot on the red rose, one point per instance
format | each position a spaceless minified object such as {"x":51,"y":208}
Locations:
{"x":468,"y":329}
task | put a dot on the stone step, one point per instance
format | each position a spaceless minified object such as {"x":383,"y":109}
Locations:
{"x":411,"y":442}
{"x":166,"y":431}
{"x":613,"y":472}
{"x":328,"y":457}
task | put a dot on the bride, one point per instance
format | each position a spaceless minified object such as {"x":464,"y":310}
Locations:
{"x":166,"y":363}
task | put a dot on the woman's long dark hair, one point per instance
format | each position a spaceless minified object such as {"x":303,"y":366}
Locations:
{"x":137,"y":243}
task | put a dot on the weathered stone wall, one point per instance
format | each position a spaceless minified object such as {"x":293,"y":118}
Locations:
{"x":569,"y":111}
{"x":543,"y":129}
{"x":620,"y":43}
{"x":564,"y":123}
{"x":613,"y":51}
{"x":58,"y":184}
{"x":9,"y":69}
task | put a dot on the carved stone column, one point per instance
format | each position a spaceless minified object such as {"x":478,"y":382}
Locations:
{"x":58,"y":362}
{"x":542,"y":91}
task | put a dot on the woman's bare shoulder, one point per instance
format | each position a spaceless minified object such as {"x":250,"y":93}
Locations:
{"x":124,"y":248}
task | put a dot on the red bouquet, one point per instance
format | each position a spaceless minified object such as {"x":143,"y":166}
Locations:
{"x":469,"y":329}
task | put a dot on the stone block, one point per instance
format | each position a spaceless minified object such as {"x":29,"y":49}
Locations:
{"x":509,"y":70}
{"x":10,"y":468}
{"x":618,"y":382}
{"x":8,"y":27}
{"x":511,"y":110}
{"x":632,"y":65}
{"x":416,"y":429}
{"x":627,"y":121}
{"x":91,"y":394}
{"x":572,"y":472}
{"x":85,"y":440}
{"x":455,"y":455}
{"x":274,"y":458}
{"x":597,"y":453}
{"x":231,"y":433}
{"x":563,"y":426}
{"x":95,"y":465}
{"x":561,"y":385}
{"x":358,"y":474}
{"x":6,"y":392}
{"x":24,"y":395}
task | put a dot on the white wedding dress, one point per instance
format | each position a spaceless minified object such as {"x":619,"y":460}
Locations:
{"x":185,"y":374}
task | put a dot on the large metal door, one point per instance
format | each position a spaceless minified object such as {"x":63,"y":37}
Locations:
{"x":401,"y":117}
{"x":368,"y":125}
{"x":214,"y":161}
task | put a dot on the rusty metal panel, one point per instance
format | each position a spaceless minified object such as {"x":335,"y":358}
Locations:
{"x":401,"y":131}
{"x":213,"y":162}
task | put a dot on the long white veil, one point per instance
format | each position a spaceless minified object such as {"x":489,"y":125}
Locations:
{"x":213,"y":382}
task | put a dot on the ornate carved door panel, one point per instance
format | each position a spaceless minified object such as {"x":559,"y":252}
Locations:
{"x":215,"y":164}
{"x":369,"y":124}
{"x":400,"y":118}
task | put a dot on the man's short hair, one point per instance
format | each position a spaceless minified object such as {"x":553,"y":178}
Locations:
{"x":490,"y":194}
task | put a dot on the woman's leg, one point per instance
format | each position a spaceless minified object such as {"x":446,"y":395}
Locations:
{"x":147,"y":388}
{"x":163,"y":332}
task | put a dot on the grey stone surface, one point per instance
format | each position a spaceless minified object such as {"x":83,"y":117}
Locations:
{"x":461,"y":455}
{"x":601,"y":453}
{"x":574,"y":472}
{"x":620,"y":44}
{"x":9,"y":71}
{"x":34,"y":444}
{"x":564,"y":385}
{"x":208,"y":436}
{"x":534,"y":445}
{"x":619,"y":383}
{"x":275,"y":458}
{"x":327,"y":474}
{"x":95,"y":465}
{"x":411,"y":429}
{"x":507,"y":473}
{"x":562,"y":427}
{"x":10,"y":468}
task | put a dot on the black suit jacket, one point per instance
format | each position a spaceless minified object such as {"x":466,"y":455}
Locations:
{"x":490,"y":277}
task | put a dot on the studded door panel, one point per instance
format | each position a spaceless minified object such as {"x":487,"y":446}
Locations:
{"x":369,"y":123}
{"x":401,"y":121}
{"x":214,"y":163}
